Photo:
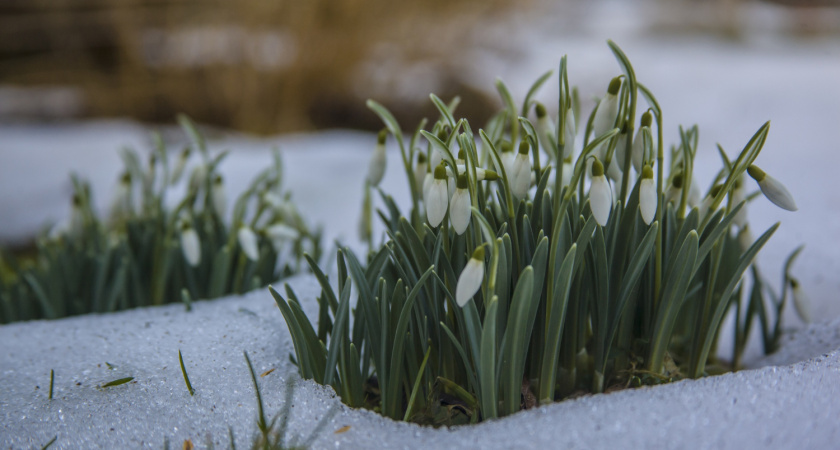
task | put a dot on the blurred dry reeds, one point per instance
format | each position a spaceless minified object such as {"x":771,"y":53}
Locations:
{"x":255,"y":65}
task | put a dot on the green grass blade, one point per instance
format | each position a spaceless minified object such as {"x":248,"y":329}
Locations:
{"x":184,"y":372}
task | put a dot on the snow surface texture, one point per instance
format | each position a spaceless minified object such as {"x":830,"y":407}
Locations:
{"x":729,"y":89}
{"x":772,"y":407}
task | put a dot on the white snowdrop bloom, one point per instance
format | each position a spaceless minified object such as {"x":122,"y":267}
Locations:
{"x":152,"y":173}
{"x":376,"y":168}
{"x":520,"y":172}
{"x":569,"y":144}
{"x":460,"y":210}
{"x":471,"y":277}
{"x":427,"y":183}
{"x":614,"y":171}
{"x":272,"y":199}
{"x":607,"y":109}
{"x":198,"y":177}
{"x":620,"y":151}
{"x":545,"y":129}
{"x":774,"y":190}
{"x":279,"y":233}
{"x":672,"y":195}
{"x":178,"y":170}
{"x":190,"y":245}
{"x":638,"y":154}
{"x":420,"y":170}
{"x":437,"y":157}
{"x":647,"y":195}
{"x":248,"y":242}
{"x":77,"y":218}
{"x":694,"y":193}
{"x":801,"y":302}
{"x":739,"y":194}
{"x":437,"y":198}
{"x":218,"y":197}
{"x":600,"y":194}
{"x":745,"y":238}
{"x":121,"y":205}
{"x":568,"y":170}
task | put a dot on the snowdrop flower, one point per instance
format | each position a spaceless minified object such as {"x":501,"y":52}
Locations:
{"x":436,"y":198}
{"x":600,"y":194}
{"x":77,"y":218}
{"x":674,"y":192}
{"x":376,"y":169}
{"x":569,"y":144}
{"x":459,"y":206}
{"x":739,"y":194}
{"x":180,"y":165}
{"x":248,"y":242}
{"x":706,"y":206}
{"x":471,"y":277}
{"x":607,"y":109}
{"x":452,"y":178}
{"x":520,"y":172}
{"x":279,"y":233}
{"x":800,"y":301}
{"x":121,"y":205}
{"x":647,"y":195}
{"x":568,"y":170}
{"x":745,"y":238}
{"x":218,"y":197}
{"x":198,"y":177}
{"x":638,"y":154}
{"x":545,"y":129}
{"x":774,"y":190}
{"x":190,"y":245}
{"x":420,"y":171}
{"x":618,"y":158}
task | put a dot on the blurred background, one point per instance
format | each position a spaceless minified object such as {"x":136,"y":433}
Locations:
{"x":277,"y":66}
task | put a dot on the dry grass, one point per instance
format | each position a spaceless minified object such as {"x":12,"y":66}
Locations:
{"x":251,"y":64}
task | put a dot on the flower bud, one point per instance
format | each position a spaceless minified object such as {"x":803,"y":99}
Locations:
{"x":190,"y":245}
{"x":600,"y":194}
{"x":773,"y":189}
{"x":647,"y":195}
{"x":460,"y":207}
{"x":376,"y":169}
{"x":520,"y":173}
{"x":248,"y":242}
{"x":607,"y":110}
{"x":437,"y":198}
{"x":801,"y":302}
{"x":218,"y":197}
{"x":471,"y":277}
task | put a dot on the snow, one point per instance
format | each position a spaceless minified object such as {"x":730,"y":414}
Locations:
{"x":728,"y":88}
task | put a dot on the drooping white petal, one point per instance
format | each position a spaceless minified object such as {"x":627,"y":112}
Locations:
{"x":248,"y":242}
{"x":607,"y":109}
{"x":739,"y":194}
{"x":219,"y":197}
{"x":545,"y":129}
{"x":436,"y":201}
{"x":694,"y":193}
{"x":198,"y":177}
{"x":620,"y":152}
{"x":190,"y":246}
{"x":471,"y":277}
{"x":520,"y":175}
{"x":279,"y":233}
{"x":639,"y":156}
{"x":437,"y":157}
{"x":777,"y":193}
{"x":600,"y":199}
{"x":745,"y":238}
{"x":614,"y":171}
{"x":569,"y":144}
{"x":647,"y":199}
{"x":376,"y":168}
{"x":460,"y":210}
{"x":180,"y":165}
{"x":801,"y":302}
{"x":420,"y":171}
